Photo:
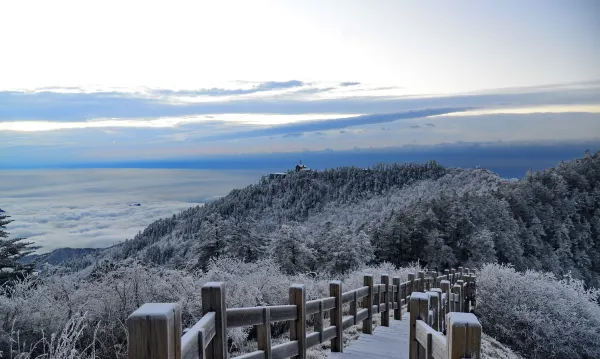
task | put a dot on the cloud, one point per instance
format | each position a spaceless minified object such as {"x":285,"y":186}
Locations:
{"x":293,"y":135}
{"x":415,"y":126}
{"x":91,"y":208}
{"x":260,"y":87}
{"x":121,"y":105}
{"x":332,"y":124}
{"x":349,"y":83}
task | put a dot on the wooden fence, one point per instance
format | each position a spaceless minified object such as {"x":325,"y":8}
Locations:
{"x":436,"y":303}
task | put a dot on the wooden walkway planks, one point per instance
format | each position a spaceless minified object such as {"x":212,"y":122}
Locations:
{"x":385,"y":343}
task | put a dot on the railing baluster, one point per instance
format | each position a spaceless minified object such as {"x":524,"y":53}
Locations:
{"x":263,"y":333}
{"x":419,"y":310}
{"x":320,"y":321}
{"x":368,"y":303}
{"x":298,"y":328}
{"x":397,"y":298}
{"x":464,"y":336}
{"x":335,"y":290}
{"x":155,"y":331}
{"x":213,"y":300}
{"x":354,"y":306}
{"x":385,"y":315}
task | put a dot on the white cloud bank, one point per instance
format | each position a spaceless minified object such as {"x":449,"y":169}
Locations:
{"x":95,"y":208}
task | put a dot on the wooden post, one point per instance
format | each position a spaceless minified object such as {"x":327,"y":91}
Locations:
{"x":335,"y":290}
{"x":464,"y":336}
{"x":422,"y":281}
{"x":368,"y":303}
{"x":474,"y":290}
{"x":213,"y":300}
{"x":397,"y":298}
{"x":385,"y":315}
{"x":319,"y":319}
{"x":263,"y":333}
{"x":410,"y":289}
{"x":298,"y":328}
{"x":419,"y":310}
{"x":155,"y":331}
{"x":429,"y":347}
{"x":434,"y":304}
{"x":455,"y":307}
{"x":461,"y":300}
{"x":445,"y":286}
{"x":354,"y":307}
{"x":376,"y":298}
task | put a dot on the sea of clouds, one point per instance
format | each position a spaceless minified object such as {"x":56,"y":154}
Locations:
{"x":97,"y":207}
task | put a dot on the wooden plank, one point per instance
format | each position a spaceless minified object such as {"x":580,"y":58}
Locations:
{"x":312,"y":306}
{"x":329,"y":333}
{"x":313,"y":339}
{"x":243,"y":317}
{"x":263,"y":333}
{"x":362,"y":292}
{"x":254,"y":355}
{"x":155,"y":331}
{"x":421,"y":330}
{"x":280,"y":313}
{"x":385,"y":314}
{"x":197,"y":338}
{"x":347,"y":322}
{"x":362,"y":314}
{"x":335,"y":290}
{"x":298,"y":327}
{"x":347,"y":297}
{"x":328,"y":303}
{"x":286,"y":350}
{"x":368,"y":304}
{"x":438,"y":346}
{"x":213,"y":300}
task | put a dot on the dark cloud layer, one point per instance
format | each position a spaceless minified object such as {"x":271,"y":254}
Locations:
{"x":332,"y":124}
{"x":53,"y":106}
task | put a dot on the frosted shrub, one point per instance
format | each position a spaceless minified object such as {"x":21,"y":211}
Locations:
{"x":537,"y":314}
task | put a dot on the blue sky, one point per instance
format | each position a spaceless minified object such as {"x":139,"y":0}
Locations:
{"x":107,"y":82}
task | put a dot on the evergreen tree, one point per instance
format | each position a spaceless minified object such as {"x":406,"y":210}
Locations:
{"x":11,"y":250}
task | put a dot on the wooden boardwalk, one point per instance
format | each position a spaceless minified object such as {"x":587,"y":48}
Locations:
{"x":385,"y":343}
{"x":438,"y":303}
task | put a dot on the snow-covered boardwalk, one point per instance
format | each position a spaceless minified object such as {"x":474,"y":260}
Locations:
{"x":385,"y":343}
{"x":423,"y":308}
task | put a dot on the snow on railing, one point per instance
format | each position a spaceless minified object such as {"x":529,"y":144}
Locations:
{"x":155,"y":328}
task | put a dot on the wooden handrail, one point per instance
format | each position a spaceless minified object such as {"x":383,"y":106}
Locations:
{"x":432,"y":299}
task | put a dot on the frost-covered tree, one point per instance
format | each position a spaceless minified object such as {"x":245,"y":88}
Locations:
{"x":290,"y":250}
{"x":11,"y":250}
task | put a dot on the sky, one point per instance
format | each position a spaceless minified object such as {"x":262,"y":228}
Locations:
{"x":99,"y":82}
{"x":108,"y":103}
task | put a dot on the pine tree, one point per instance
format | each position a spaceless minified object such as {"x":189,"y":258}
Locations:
{"x":11,"y":250}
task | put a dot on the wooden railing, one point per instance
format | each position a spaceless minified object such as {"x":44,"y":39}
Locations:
{"x":434,"y":298}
